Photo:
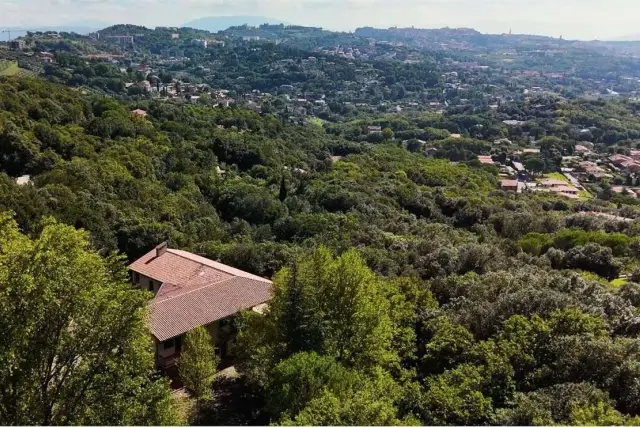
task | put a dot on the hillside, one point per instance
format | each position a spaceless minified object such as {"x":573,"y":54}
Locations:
{"x":500,"y":295}
{"x":78,"y":28}
{"x":214,"y":24}
{"x":450,"y":221}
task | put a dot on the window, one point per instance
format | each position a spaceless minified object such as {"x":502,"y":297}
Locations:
{"x":151,"y":285}
{"x":136,"y":277}
{"x":175,"y":342}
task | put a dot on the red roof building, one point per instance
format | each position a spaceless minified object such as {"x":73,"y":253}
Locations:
{"x":619,"y":158}
{"x":192,"y":291}
{"x":139,"y":113}
{"x":509,"y":185}
{"x":630,"y":165}
{"x":485,"y":160}
{"x":553,"y":183}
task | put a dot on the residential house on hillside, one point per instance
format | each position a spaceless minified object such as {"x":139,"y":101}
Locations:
{"x":581,"y":149}
{"x":550,"y":183}
{"x":509,"y":185}
{"x":17,"y":44}
{"x":625,"y":162}
{"x":190,"y":291}
{"x":485,"y":160}
{"x":559,"y":187}
{"x":46,"y":57}
{"x":139,"y":113}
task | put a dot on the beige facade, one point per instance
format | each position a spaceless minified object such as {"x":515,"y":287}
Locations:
{"x":222,"y":335}
{"x":146,"y":283}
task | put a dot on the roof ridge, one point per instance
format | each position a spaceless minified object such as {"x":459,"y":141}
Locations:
{"x":196,"y":288}
{"x":181,"y":253}
{"x":208,"y":285}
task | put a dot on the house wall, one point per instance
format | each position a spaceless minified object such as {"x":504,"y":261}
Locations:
{"x":161,"y":351}
{"x":212,"y":328}
{"x":144,"y":281}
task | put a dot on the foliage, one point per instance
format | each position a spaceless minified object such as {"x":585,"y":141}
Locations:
{"x":456,"y":398}
{"x":369,"y":401}
{"x":333,"y":307}
{"x":78,"y":348}
{"x":197,"y":363}
{"x":407,"y":289}
{"x":300,"y":379}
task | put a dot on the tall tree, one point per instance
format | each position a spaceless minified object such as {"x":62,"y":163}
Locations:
{"x":283,"y":189}
{"x":333,"y":306}
{"x":76,"y":347}
{"x":197,"y":364}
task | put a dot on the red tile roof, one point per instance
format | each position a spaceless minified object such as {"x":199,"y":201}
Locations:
{"x":196,"y":291}
{"x":619,"y":158}
{"x":178,"y":314}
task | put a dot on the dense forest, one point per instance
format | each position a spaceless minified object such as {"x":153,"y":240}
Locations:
{"x":370,"y":176}
{"x":408,"y":290}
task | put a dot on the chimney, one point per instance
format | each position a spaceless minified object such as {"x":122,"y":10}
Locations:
{"x":161,"y":248}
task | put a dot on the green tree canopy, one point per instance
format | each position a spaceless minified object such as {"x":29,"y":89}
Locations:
{"x":198,"y":362}
{"x":332,"y":306}
{"x":78,"y":350}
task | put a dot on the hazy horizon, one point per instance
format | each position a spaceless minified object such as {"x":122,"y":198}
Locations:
{"x":573,"y":19}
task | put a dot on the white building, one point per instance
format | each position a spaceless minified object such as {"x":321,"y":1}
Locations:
{"x":200,"y":42}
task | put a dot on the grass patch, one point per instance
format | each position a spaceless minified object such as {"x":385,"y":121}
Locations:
{"x":556,"y":175}
{"x":185,"y":407}
{"x":585,"y":195}
{"x":586,"y":275}
{"x":10,"y":70}
{"x":316,"y":121}
{"x":619,"y":282}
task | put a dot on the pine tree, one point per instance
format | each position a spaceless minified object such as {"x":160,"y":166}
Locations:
{"x":332,"y":306}
{"x":283,"y":189}
{"x":300,"y":323}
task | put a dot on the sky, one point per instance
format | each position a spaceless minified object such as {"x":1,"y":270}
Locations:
{"x":573,"y":19}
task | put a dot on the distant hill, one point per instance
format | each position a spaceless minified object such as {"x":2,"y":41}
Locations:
{"x":72,"y":27}
{"x":629,"y":38}
{"x":220,"y":23}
